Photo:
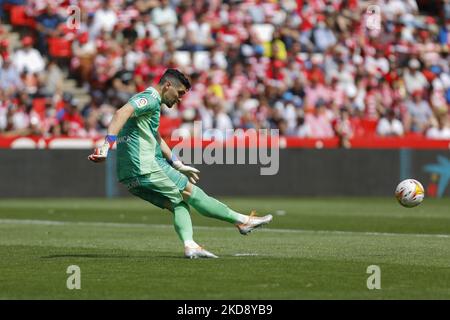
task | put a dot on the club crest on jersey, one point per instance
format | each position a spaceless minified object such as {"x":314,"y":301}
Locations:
{"x":142,"y":102}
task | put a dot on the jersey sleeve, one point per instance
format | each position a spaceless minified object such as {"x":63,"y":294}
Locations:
{"x":143,"y":103}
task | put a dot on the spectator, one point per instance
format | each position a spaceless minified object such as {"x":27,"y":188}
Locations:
{"x":198,"y":35}
{"x":165,"y":17}
{"x":70,"y":119}
{"x":9,"y":77}
{"x":414,"y":78}
{"x":21,"y":120}
{"x":31,"y":82}
{"x":344,"y":128}
{"x":221,"y":122}
{"x":323,"y":36}
{"x":28,"y":59}
{"x":123,"y":86}
{"x":84,"y":51}
{"x":105,"y":19}
{"x":302,"y":130}
{"x":52,"y":79}
{"x":47,"y":26}
{"x":420,"y":111}
{"x":389,"y":125}
{"x":130,"y":33}
{"x":441,"y":130}
{"x":437,"y":98}
{"x":146,"y":27}
{"x":316,"y":92}
{"x":256,"y":12}
{"x":319,"y":122}
{"x":90,"y":127}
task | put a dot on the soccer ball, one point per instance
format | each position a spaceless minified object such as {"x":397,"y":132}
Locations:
{"x":410,"y":193}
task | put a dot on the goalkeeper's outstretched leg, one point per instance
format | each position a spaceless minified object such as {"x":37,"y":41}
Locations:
{"x":208,"y":207}
{"x":212,"y":208}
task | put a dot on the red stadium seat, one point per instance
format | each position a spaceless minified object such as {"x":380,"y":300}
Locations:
{"x":7,"y":7}
{"x":60,"y":48}
{"x":167,"y":125}
{"x":369,"y":126}
{"x":39,"y":106}
{"x":19,"y":18}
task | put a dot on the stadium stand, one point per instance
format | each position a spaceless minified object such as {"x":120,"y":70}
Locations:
{"x":318,"y":69}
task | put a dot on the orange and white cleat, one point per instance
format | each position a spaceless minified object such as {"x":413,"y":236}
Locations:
{"x":197,"y":252}
{"x":253,"y":223}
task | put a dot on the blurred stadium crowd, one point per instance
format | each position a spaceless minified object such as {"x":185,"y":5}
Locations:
{"x":317,"y":68}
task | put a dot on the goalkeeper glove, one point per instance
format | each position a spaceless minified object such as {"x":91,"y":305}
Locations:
{"x":188,"y":171}
{"x":100,"y":154}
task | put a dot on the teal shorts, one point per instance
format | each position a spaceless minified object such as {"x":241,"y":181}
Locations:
{"x":161,"y":188}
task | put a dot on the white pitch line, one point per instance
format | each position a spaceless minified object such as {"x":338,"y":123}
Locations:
{"x":143,"y":225}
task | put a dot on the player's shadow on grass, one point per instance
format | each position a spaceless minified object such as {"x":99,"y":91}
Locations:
{"x":107,"y":256}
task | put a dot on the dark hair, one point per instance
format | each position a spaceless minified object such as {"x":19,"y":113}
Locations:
{"x":176,"y":76}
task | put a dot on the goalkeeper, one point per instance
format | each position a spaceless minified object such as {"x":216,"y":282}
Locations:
{"x":146,"y":166}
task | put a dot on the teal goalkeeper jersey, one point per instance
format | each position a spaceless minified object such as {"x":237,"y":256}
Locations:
{"x":137,"y":147}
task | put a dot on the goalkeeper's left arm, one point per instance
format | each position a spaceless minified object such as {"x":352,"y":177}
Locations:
{"x":118,"y":121}
{"x":188,"y":171}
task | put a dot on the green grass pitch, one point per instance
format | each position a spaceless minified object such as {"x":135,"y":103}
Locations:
{"x":316,"y":248}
